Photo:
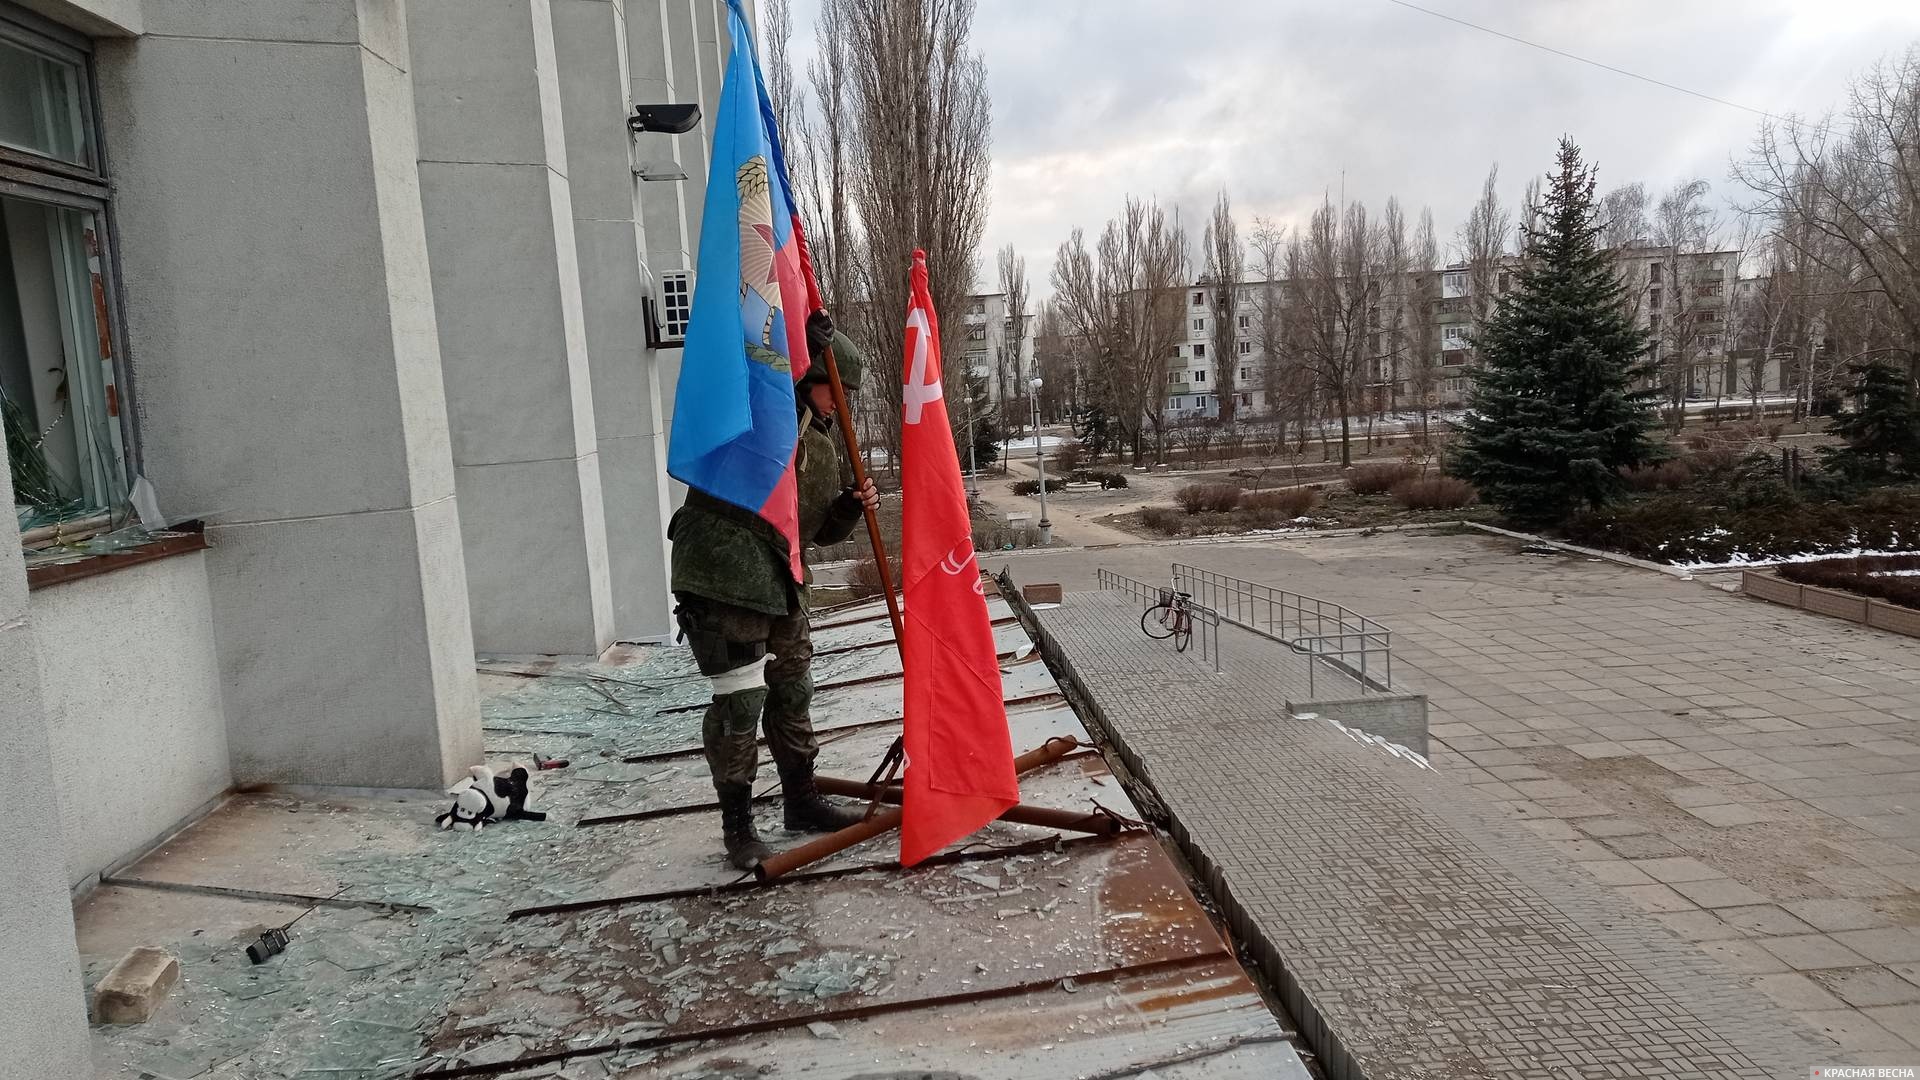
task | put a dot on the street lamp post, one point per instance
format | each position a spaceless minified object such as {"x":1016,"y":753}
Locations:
{"x":973,"y":469}
{"x":1040,"y":462}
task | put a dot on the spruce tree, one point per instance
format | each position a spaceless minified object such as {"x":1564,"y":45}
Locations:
{"x":1553,"y":415}
{"x":1881,"y":436}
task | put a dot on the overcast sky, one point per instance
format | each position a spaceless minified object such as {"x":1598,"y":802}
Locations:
{"x":1274,"y":100}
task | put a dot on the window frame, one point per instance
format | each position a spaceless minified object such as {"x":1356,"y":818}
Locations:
{"x":33,"y":177}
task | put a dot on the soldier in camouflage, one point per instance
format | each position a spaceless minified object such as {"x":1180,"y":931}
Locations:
{"x":745,"y":618}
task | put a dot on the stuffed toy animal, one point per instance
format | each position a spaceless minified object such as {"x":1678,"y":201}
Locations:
{"x":486,"y":797}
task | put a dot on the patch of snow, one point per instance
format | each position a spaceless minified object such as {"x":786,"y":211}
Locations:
{"x":1740,"y":560}
{"x":1047,"y":442}
{"x":1734,"y":403}
{"x":1393,"y":748}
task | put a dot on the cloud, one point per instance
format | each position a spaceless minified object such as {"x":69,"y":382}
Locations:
{"x":1284,"y":103}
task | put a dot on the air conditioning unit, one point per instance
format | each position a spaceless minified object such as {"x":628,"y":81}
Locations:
{"x":668,"y":309}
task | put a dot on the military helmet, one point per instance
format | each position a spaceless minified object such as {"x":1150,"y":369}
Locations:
{"x":846,"y":357}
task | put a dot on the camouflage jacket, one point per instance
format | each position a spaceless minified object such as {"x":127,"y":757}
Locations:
{"x":726,"y":553}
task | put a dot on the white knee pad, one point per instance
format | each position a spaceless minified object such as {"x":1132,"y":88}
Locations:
{"x":751,"y":677}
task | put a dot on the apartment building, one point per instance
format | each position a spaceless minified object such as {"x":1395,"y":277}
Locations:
{"x":989,"y":349}
{"x":1689,"y":303}
{"x":1193,"y":386}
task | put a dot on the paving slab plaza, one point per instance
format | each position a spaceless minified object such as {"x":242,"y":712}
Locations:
{"x":1669,"y":831}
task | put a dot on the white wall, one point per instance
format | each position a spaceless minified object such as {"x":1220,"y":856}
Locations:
{"x":131,"y":686}
{"x":43,"y":1019}
{"x":281,"y":330}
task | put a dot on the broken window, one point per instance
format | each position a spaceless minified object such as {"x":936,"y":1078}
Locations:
{"x":56,"y":369}
{"x":60,"y":389}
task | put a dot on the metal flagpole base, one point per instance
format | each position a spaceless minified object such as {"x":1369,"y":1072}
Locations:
{"x":880,"y":821}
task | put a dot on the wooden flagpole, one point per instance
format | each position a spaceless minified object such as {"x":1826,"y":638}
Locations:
{"x":860,"y":481}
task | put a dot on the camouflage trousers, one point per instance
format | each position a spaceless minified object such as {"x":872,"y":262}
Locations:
{"x":726,"y":638}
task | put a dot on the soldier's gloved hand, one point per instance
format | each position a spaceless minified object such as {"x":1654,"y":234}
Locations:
{"x":819,"y":333}
{"x":857,"y":500}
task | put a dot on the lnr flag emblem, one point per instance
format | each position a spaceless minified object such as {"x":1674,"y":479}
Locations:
{"x":959,"y":773}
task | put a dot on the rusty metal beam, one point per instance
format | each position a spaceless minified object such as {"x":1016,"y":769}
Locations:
{"x":864,"y":680}
{"x":694,"y":749}
{"x":1045,"y":817}
{"x":785,"y":862}
{"x":884,"y":642}
{"x":767,"y":796}
{"x":747,"y":884}
{"x":832,"y":1016}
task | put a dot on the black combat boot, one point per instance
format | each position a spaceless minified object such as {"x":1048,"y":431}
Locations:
{"x":744,"y":848}
{"x":806,"y":810}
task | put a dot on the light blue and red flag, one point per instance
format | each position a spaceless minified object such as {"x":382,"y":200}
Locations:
{"x":735,"y":425}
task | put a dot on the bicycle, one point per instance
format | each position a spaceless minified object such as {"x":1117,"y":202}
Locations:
{"x":1172,"y":618}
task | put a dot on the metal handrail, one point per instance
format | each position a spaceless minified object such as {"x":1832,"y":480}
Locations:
{"x":1206,"y":621}
{"x":1348,"y":642}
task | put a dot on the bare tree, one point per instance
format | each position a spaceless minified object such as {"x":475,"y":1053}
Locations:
{"x":1759,"y":316}
{"x":1390,"y":340}
{"x":1623,"y":216}
{"x":1483,"y":244}
{"x":1226,"y":265}
{"x":1845,"y":194}
{"x":1123,"y":301}
{"x":1285,"y":385}
{"x":1423,"y":328}
{"x":1058,"y":363}
{"x":898,"y":160}
{"x":775,"y":35}
{"x":1013,"y":288}
{"x":1330,"y":287}
{"x":1530,"y":205}
{"x":825,"y":184}
{"x":1625,"y":232}
{"x":1684,"y":226}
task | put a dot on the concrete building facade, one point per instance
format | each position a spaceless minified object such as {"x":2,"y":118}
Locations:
{"x":373,"y":303}
{"x":991,"y":351}
{"x":1692,"y":306}
{"x":1192,"y":391}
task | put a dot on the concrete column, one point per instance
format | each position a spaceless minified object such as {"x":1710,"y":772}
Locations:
{"x":43,"y":1013}
{"x":590,"y":42}
{"x":663,"y":68}
{"x":513,"y":344}
{"x":654,"y":78}
{"x":689,"y":26}
{"x":281,"y":331}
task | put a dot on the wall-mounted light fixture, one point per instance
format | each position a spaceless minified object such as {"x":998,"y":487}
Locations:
{"x":666,"y":119}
